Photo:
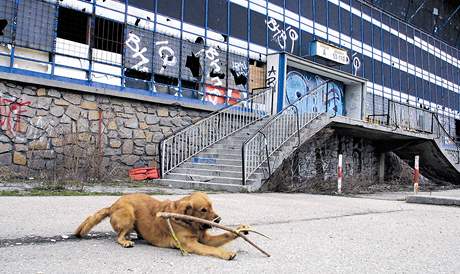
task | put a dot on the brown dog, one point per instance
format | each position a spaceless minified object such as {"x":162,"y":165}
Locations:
{"x":138,"y":212}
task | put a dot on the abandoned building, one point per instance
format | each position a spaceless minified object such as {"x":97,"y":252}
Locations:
{"x":228,"y":94}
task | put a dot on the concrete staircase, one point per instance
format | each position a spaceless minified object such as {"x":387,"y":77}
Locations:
{"x":217,"y":168}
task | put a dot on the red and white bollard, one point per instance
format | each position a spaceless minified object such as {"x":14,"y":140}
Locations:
{"x":339,"y":175}
{"x":416,"y":174}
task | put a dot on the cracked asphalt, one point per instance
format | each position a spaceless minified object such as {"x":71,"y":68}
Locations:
{"x":311,"y":234}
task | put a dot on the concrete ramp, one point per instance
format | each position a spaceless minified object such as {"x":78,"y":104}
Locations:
{"x":436,"y":163}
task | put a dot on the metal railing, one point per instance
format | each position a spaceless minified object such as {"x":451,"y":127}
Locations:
{"x":258,"y":148}
{"x":414,"y":119}
{"x":410,"y":118}
{"x":184,"y":144}
{"x":447,"y":141}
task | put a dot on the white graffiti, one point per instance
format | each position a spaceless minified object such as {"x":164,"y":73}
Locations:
{"x":356,"y":64}
{"x":281,"y":35}
{"x":240,"y":68}
{"x":166,"y":54}
{"x":133,"y":44}
{"x":215,"y":70}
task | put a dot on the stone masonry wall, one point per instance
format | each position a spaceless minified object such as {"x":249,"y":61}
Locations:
{"x":48,"y":132}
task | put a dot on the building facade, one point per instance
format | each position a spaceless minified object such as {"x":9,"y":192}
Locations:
{"x":209,"y":53}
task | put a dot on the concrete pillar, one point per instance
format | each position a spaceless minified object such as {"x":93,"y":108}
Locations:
{"x":382,"y":167}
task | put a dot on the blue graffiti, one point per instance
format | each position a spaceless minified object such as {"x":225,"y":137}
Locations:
{"x":299,"y":83}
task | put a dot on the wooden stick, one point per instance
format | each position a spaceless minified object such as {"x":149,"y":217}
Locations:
{"x":168,"y":215}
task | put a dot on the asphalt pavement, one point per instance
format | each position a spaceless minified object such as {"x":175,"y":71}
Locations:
{"x":311,"y":234}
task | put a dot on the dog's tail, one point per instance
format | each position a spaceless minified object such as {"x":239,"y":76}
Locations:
{"x":91,"y":221}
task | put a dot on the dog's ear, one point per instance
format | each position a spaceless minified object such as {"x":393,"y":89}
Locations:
{"x":186,"y":208}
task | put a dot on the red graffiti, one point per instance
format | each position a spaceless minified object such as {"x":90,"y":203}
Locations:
{"x":10,"y":114}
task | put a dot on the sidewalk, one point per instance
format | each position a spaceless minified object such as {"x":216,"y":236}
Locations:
{"x":444,"y":197}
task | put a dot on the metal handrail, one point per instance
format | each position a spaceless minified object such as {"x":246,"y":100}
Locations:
{"x":409,"y":118}
{"x":280,"y":128}
{"x":189,"y":141}
{"x":443,"y":135}
{"x":412,"y":118}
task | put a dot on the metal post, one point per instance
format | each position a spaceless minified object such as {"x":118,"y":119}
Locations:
{"x":416,"y":174}
{"x":339,"y":175}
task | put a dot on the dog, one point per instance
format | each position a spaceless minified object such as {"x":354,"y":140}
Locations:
{"x":137,"y":212}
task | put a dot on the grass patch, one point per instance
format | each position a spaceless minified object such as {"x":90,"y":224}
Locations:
{"x":41,"y":192}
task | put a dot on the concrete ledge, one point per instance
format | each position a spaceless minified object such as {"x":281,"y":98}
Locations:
{"x":433,"y":200}
{"x":204,"y":186}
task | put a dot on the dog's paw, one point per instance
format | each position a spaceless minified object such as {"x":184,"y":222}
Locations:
{"x":230,"y":256}
{"x":243,"y":229}
{"x":127,"y":244}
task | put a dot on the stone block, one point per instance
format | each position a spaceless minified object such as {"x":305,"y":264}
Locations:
{"x":112,"y":125}
{"x":115,"y":143}
{"x":88,"y":105}
{"x":57,"y":111}
{"x":5,"y":147}
{"x":129,"y":159}
{"x":138,"y":134}
{"x":127,"y":147}
{"x":73,"y":112}
{"x":61,"y":102}
{"x":93,"y":115}
{"x":151,"y":119}
{"x":132,"y":123}
{"x":5,"y":159}
{"x":163,"y":112}
{"x":54,"y":93}
{"x":72,"y":98}
{"x":41,"y":92}
{"x":151,"y":149}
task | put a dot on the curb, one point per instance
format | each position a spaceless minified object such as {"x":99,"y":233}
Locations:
{"x":433,"y":200}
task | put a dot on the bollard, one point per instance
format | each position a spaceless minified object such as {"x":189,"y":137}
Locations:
{"x":339,"y":175}
{"x":416,"y":174}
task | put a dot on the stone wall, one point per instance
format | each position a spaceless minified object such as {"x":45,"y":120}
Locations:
{"x":49,"y":132}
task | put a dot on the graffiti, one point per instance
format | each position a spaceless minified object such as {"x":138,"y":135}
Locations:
{"x":133,"y":44}
{"x":167,"y":55}
{"x":239,"y":71}
{"x":280,"y":35}
{"x":10,"y":113}
{"x":356,"y":64}
{"x":299,"y":83}
{"x":212,"y":55}
{"x":271,"y":77}
{"x":214,"y":95}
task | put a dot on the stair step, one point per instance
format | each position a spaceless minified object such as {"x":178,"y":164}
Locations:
{"x":210,"y":166}
{"x":208,"y":172}
{"x":206,"y":179}
{"x":206,"y":186}
{"x":216,"y":161}
{"x":229,"y":155}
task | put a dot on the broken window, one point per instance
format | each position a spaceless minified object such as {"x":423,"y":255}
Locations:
{"x":237,"y":72}
{"x":6,"y":19}
{"x":73,"y":25}
{"x":108,"y":35}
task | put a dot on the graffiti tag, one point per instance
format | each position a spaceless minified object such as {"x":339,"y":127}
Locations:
{"x":167,"y":55}
{"x":215,"y":70}
{"x":280,"y":35}
{"x":133,"y":44}
{"x":10,"y":114}
{"x":271,"y":77}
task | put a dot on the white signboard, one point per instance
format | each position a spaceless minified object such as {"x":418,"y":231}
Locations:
{"x":330,"y":52}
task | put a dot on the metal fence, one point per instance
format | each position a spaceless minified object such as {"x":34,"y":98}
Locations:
{"x":415,"y":119}
{"x":193,"y":139}
{"x":258,"y":148}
